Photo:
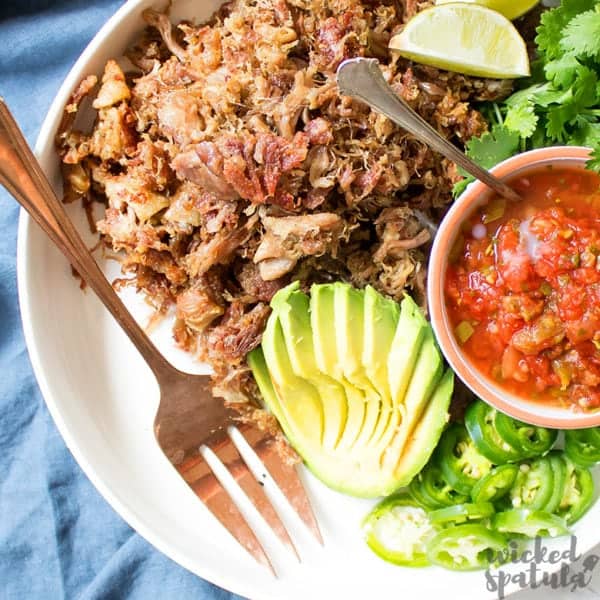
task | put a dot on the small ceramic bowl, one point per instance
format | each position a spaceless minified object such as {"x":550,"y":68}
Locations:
{"x":475,"y":196}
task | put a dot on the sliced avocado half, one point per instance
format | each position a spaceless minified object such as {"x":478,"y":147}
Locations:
{"x":291,"y":370}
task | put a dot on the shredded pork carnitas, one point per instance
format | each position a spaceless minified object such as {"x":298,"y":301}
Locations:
{"x":229,"y":165}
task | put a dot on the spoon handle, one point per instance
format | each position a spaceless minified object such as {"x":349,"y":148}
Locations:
{"x":361,"y":78}
{"x":22,"y":176}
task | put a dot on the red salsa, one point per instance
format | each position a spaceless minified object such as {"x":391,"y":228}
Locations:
{"x":523,"y":288}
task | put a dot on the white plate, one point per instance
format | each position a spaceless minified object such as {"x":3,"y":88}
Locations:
{"x":103,"y":399}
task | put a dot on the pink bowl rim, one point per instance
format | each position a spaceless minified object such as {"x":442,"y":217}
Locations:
{"x":519,"y":408}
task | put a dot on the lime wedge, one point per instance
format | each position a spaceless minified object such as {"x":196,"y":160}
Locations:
{"x":465,"y":38}
{"x":511,"y":9}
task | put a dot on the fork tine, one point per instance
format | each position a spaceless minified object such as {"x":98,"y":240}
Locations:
{"x":285,"y":475}
{"x":198,"y":475}
{"x":231,"y":458}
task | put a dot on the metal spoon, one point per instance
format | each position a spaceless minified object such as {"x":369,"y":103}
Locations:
{"x":361,"y":78}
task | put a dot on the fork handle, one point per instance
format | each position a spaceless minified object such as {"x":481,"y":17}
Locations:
{"x":22,"y":175}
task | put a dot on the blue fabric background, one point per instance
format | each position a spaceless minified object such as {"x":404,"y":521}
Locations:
{"x":58,"y":536}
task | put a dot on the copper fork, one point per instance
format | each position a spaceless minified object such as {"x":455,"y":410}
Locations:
{"x":189,"y":417}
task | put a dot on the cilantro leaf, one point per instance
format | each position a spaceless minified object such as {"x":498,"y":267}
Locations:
{"x":539,"y":139}
{"x":582,"y":34}
{"x":594,"y":162}
{"x":562,"y":71}
{"x":460,"y":186}
{"x":522,"y":119}
{"x":548,"y":96}
{"x":553,"y":23}
{"x":540,"y":94}
{"x":585,"y":87}
{"x":558,"y":118}
{"x":527,"y":95}
{"x":488,"y":150}
{"x":586,"y":134}
{"x":493,"y":146}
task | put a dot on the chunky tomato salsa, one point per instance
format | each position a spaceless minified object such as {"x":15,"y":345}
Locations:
{"x":523,"y":288}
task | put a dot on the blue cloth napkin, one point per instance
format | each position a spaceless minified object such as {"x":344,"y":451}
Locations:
{"x":58,"y":537}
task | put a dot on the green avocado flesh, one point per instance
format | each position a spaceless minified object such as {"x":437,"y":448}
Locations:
{"x":356,"y":382}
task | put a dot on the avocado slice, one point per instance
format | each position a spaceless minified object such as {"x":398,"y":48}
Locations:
{"x":299,"y":401}
{"x":349,"y":310}
{"x":381,"y":317}
{"x":292,"y":308}
{"x":326,"y":355}
{"x":321,"y":320}
{"x":409,"y":336}
{"x":262,"y":376}
{"x":423,"y":440}
{"x":424,"y":380}
{"x":402,"y":359}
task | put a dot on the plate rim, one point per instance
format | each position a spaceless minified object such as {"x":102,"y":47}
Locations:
{"x":24,"y":230}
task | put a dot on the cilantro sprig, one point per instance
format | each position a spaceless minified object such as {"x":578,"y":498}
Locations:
{"x":488,"y":150}
{"x":561,"y":101}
